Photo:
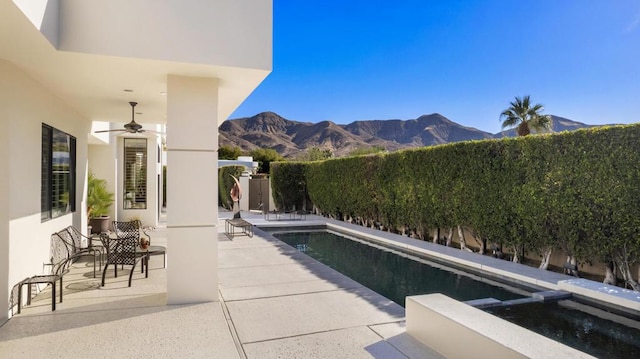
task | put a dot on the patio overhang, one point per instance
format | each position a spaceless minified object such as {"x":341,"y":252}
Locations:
{"x":98,"y":56}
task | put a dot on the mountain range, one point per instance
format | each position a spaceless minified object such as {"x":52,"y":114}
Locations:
{"x":292,"y":138}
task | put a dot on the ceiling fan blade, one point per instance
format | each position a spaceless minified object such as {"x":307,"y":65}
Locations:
{"x":102,"y":131}
{"x":156,"y":132}
{"x":131,"y":127}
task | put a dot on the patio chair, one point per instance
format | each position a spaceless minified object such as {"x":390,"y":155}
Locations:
{"x":61,"y":260}
{"x":134,"y":228}
{"x":15,"y":297}
{"x":123,"y":249}
{"x":73,"y":239}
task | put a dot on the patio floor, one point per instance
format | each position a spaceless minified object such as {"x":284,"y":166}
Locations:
{"x":274,"y":303}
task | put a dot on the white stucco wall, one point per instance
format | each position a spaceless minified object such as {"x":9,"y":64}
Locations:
{"x":44,"y":15}
{"x":103,"y":164}
{"x":214,"y":32}
{"x":4,"y":204}
{"x":26,"y":105}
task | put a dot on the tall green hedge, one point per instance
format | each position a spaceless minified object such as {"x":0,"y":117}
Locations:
{"x":575,"y":191}
{"x":290,"y":190}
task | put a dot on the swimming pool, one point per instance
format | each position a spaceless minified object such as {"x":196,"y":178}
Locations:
{"x":397,"y":275}
{"x":393,"y":274}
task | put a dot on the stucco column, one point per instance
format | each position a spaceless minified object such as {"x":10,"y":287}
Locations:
{"x":192,"y":189}
{"x":5,"y":219}
{"x":244,"y":184}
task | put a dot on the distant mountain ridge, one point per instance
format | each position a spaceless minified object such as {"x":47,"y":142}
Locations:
{"x":291,"y":138}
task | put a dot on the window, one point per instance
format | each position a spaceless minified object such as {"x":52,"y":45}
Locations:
{"x":135,"y":173}
{"x":58,"y":173}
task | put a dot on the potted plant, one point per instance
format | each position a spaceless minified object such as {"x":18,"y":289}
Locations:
{"x":99,"y":199}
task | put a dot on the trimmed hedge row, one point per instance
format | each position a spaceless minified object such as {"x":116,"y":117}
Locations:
{"x":290,"y":190}
{"x":575,"y":191}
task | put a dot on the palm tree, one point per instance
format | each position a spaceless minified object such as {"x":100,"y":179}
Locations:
{"x":525,"y":117}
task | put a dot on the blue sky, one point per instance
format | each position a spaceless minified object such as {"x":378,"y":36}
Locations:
{"x":352,"y":60}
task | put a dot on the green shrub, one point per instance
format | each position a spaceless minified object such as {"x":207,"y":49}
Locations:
{"x":574,"y":191}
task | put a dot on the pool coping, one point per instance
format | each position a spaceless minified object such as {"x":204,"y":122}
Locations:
{"x":618,"y":298}
{"x":431,"y":318}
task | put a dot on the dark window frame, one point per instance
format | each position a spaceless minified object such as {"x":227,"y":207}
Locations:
{"x":58,"y":173}
{"x":135,"y":194}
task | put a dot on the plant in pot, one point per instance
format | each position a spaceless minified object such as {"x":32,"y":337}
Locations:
{"x":99,"y":199}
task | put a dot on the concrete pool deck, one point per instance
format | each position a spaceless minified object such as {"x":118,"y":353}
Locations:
{"x":275,"y":302}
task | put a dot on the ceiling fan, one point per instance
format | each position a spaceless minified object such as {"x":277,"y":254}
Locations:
{"x":131,"y":127}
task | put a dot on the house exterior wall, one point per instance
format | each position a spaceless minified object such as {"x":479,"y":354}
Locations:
{"x":171,"y":30}
{"x":102,"y":163}
{"x":26,"y":105}
{"x":44,"y":15}
{"x":4,"y":204}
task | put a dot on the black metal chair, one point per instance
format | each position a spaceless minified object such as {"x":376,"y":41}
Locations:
{"x":123,"y":248}
{"x":15,"y":297}
{"x":134,"y":228}
{"x":61,"y":260}
{"x":73,"y":238}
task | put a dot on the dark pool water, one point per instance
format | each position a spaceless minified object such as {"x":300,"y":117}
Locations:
{"x":390,"y":274}
{"x":397,"y":276}
{"x":565,"y":323}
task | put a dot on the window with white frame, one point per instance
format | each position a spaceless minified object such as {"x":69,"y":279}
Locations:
{"x":135,"y":173}
{"x":58,"y":173}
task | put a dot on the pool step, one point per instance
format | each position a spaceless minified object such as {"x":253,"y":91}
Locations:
{"x":552,"y":295}
{"x":527,"y":300}
{"x":484,"y":303}
{"x":538,"y":297}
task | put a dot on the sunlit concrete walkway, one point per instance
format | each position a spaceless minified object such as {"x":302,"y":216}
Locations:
{"x":284,"y":304}
{"x":275,"y":303}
